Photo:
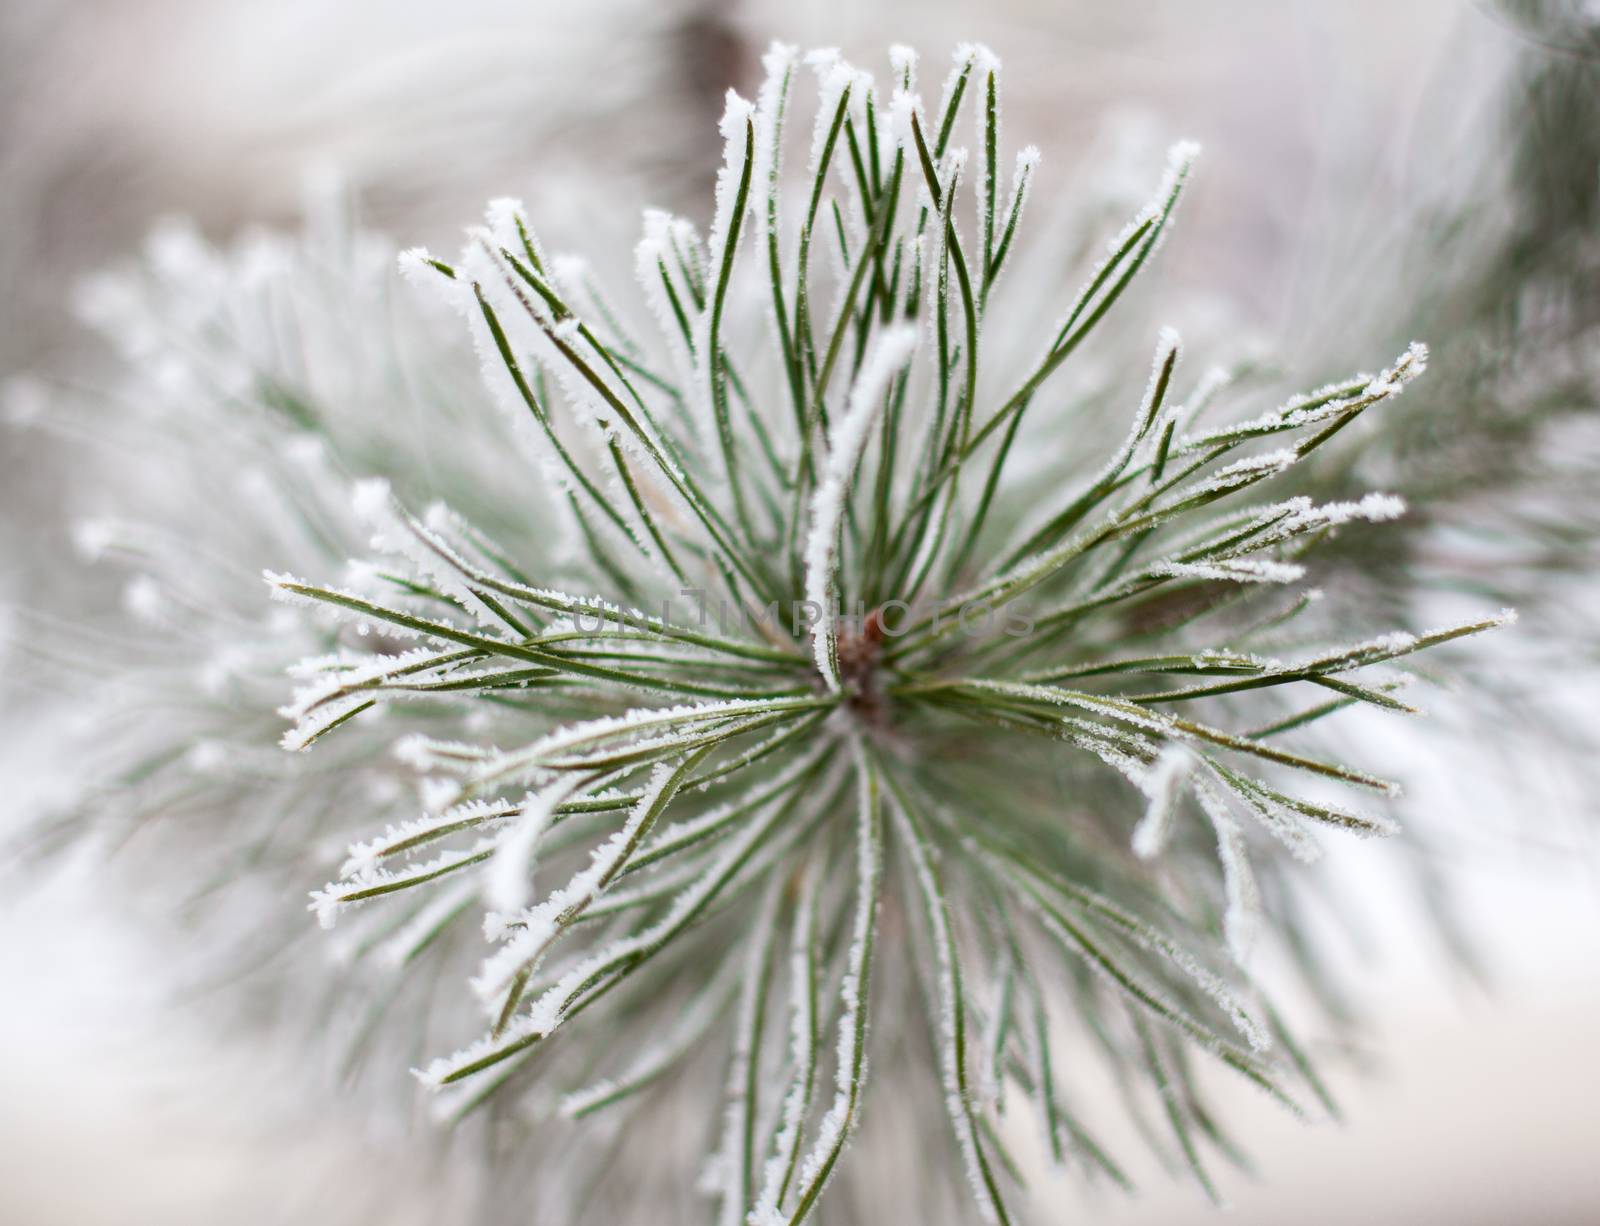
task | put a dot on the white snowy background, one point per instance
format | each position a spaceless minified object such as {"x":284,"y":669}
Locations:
{"x":118,"y":1105}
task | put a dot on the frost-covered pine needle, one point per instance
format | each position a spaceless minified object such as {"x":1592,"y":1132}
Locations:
{"x":831,"y":605}
{"x":813,"y":572}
